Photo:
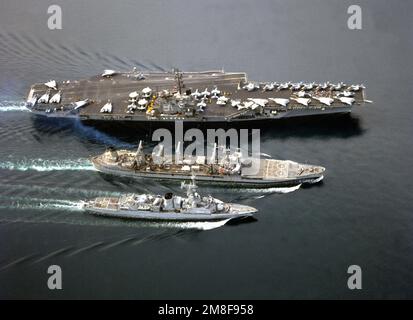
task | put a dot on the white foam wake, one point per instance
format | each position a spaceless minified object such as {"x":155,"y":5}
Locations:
{"x":265,"y":155}
{"x":47,"y":165}
{"x":315,"y":180}
{"x":273,"y":190}
{"x":286,"y":189}
{"x":6,"y":106}
{"x":205,"y":225}
{"x":44,"y":204}
{"x":66,"y":205}
{"x":197,"y":225}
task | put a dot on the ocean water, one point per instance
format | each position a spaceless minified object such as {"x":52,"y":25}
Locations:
{"x":301,"y":243}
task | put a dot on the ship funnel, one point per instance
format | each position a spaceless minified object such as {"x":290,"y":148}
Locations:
{"x":113,"y":154}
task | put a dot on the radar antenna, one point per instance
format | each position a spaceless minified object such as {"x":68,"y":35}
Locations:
{"x":179,"y":81}
{"x":190,"y":187}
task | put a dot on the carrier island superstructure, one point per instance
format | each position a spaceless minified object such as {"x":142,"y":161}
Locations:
{"x":198,"y":97}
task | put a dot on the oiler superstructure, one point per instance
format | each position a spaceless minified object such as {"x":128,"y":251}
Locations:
{"x":232,"y":169}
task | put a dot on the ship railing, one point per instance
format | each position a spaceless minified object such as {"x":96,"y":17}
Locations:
{"x":236,"y":114}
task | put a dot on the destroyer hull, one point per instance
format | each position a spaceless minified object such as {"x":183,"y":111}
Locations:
{"x":244,"y":211}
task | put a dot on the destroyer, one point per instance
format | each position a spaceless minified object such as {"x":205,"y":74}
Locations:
{"x":193,"y":207}
{"x":231,"y":169}
{"x":210,"y":96}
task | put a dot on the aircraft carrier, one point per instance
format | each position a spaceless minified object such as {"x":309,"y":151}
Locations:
{"x":198,"y":97}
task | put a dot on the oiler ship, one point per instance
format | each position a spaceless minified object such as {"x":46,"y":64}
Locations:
{"x":231,"y":169}
{"x":194,"y":97}
{"x":193,"y":207}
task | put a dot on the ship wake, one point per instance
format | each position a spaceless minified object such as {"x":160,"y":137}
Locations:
{"x":317,"y":180}
{"x":40,"y":204}
{"x":281,"y":190}
{"x":198,"y":225}
{"x":42,"y":165}
{"x":14,"y":106}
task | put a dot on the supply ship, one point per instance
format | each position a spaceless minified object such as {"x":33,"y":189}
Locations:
{"x":194,"y":97}
{"x":229,"y":169}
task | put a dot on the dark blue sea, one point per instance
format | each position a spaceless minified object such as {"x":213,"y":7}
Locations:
{"x":301,"y":243}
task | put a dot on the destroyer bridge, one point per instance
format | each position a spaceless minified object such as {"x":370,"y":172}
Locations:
{"x":209,"y":96}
